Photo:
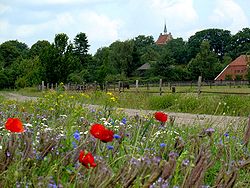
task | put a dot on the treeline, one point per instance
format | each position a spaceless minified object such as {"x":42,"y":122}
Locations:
{"x":205,"y":53}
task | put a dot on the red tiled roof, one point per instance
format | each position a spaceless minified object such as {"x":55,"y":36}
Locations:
{"x":240,"y":61}
{"x":236,"y":67}
{"x":163,"y":39}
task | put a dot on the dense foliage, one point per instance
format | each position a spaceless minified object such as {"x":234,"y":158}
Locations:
{"x":205,"y":53}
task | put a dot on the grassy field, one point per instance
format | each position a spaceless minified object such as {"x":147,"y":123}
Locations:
{"x":143,"y":152}
{"x":188,"y":89}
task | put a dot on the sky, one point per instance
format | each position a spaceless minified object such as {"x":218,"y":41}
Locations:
{"x":106,"y":21}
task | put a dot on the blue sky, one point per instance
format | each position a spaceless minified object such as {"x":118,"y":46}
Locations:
{"x":105,"y":21}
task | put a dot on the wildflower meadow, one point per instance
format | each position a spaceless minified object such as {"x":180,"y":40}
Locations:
{"x":58,"y":141}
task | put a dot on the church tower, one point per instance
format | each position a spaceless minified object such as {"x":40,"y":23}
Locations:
{"x":165,"y":37}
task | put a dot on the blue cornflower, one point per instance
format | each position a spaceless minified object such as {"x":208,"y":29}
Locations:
{"x":162,"y":145}
{"x":50,"y":185}
{"x":77,"y":135}
{"x":117,"y":136}
{"x":226,"y":134}
{"x":74,"y":145}
{"x":110,"y":147}
{"x":124,"y":121}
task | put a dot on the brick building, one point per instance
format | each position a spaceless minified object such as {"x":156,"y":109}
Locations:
{"x":236,"y":70}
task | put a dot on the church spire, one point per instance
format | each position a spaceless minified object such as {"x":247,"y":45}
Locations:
{"x":165,"y":28}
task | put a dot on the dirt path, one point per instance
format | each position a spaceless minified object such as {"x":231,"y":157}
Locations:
{"x":18,"y":97}
{"x":180,"y":118}
{"x":190,"y":119}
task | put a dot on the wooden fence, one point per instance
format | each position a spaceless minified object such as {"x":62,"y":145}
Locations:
{"x":230,"y":87}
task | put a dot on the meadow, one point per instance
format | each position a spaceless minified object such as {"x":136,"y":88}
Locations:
{"x":62,"y":147}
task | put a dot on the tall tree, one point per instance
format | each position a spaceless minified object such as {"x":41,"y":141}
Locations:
{"x":121,"y":56}
{"x":217,"y":38}
{"x":164,"y":66}
{"x":205,"y":64}
{"x":61,"y":43}
{"x":11,"y":50}
{"x":38,"y":48}
{"x":178,"y":49}
{"x":240,"y":43}
{"x":81,"y":47}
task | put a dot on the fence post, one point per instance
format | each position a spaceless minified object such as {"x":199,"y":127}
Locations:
{"x":47,"y":86}
{"x":160,"y":86}
{"x":119,"y":86}
{"x":106,"y":86}
{"x":122,"y":87}
{"x":136,"y":85}
{"x":95,"y":85}
{"x":199,"y":85}
{"x":42,"y":85}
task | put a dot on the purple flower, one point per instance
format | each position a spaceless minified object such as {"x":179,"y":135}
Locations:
{"x":77,"y":135}
{"x":110,"y":147}
{"x":117,"y":136}
{"x":226,"y":134}
{"x":185,"y":162}
{"x":162,"y":145}
{"x":124,"y":121}
{"x":74,"y":145}
{"x":173,"y":154}
{"x":209,"y":131}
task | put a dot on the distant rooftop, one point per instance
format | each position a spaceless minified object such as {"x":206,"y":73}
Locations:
{"x":145,"y":66}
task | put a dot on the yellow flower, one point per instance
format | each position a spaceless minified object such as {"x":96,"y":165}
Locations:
{"x":85,"y":95}
{"x":113,"y":99}
{"x":109,"y":93}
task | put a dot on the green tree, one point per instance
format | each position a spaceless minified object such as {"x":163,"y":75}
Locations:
{"x":59,"y":61}
{"x":240,"y":43}
{"x":38,"y":48}
{"x":3,"y":80}
{"x":205,"y":64}
{"x":30,"y":71}
{"x":11,"y":50}
{"x":121,"y":57}
{"x":217,"y":38}
{"x":178,"y":49}
{"x":165,"y":66}
{"x":81,"y":45}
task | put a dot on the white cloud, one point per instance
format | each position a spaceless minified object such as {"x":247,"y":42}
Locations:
{"x":4,"y":26}
{"x":4,"y":8}
{"x":99,"y":28}
{"x":177,"y":12}
{"x":229,"y":14}
{"x":64,"y":2}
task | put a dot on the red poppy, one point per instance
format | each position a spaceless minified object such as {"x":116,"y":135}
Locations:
{"x":87,"y":160}
{"x":96,"y":129}
{"x":99,"y":131}
{"x":14,"y":125}
{"x":161,"y":116}
{"x":106,"y":135}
